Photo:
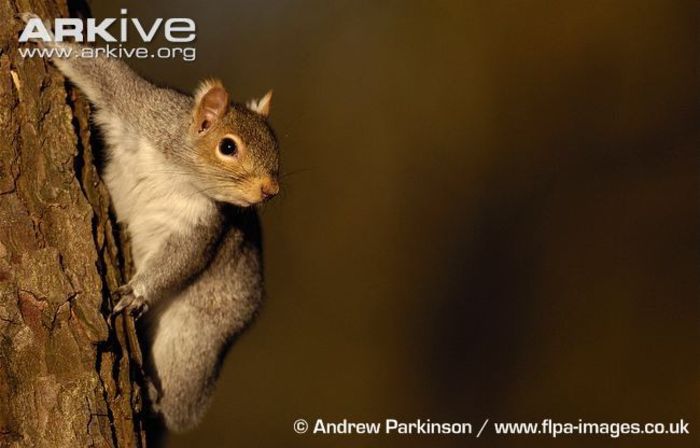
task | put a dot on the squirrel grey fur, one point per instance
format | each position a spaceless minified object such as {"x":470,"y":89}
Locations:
{"x":182,"y":172}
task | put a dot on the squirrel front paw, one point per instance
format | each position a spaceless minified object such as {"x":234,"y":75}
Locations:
{"x":27,"y":17}
{"x":126,"y":299}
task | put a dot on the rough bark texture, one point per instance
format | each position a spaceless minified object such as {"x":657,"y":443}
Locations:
{"x":66,"y":379}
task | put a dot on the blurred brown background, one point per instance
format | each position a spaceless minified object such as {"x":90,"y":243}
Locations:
{"x":491,"y":211}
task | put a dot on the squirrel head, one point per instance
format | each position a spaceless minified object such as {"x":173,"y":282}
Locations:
{"x":235,"y":151}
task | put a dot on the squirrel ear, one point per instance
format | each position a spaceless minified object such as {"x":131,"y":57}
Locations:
{"x":261,"y":106}
{"x":211,"y":102}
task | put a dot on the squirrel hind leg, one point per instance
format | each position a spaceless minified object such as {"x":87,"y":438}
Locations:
{"x":186,"y":366}
{"x":182,"y":408}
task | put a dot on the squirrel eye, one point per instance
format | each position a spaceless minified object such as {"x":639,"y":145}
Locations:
{"x":227,"y":147}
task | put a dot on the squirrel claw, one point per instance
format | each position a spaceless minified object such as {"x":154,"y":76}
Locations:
{"x":140,"y":309}
{"x":27,"y":16}
{"x":126,"y":300}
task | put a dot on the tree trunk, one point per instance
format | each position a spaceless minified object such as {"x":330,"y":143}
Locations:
{"x":66,"y":378}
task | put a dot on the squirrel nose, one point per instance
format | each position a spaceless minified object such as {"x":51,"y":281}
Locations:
{"x":269,"y":187}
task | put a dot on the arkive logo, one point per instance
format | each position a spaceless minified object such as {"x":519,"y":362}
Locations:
{"x":175,"y":30}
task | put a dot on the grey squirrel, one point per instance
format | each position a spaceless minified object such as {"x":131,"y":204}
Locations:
{"x":182,"y":172}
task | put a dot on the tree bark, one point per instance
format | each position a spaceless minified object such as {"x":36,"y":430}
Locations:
{"x":66,"y":378}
